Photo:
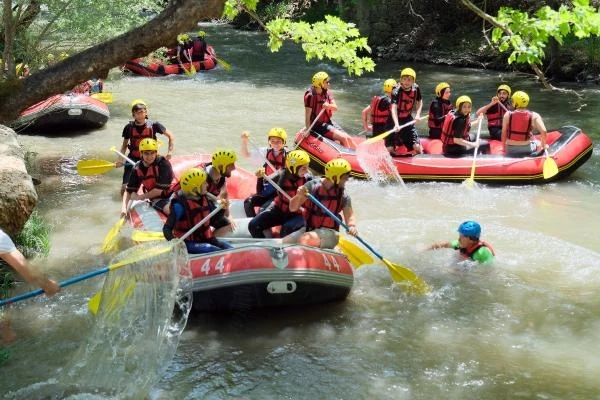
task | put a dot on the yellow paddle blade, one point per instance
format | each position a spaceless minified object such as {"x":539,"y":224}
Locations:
{"x":403,"y":274}
{"x":379,"y":137}
{"x":116,"y":296}
{"x":225,"y":64}
{"x":355,"y":254}
{"x":110,"y":241}
{"x":114,"y":292}
{"x":146,"y":236}
{"x":550,"y":168}
{"x":94,"y":167}
{"x":104,"y":97}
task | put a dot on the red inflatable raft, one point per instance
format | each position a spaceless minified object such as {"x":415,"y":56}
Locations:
{"x":569,"y":147}
{"x":140,"y":67}
{"x":63,"y":112}
{"x":255,"y":274}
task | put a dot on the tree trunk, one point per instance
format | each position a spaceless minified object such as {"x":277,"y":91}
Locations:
{"x":180,"y":15}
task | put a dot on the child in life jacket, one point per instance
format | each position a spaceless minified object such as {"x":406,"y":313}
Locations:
{"x":468,"y":244}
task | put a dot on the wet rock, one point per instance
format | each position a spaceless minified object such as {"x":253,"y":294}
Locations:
{"x":17,"y":192}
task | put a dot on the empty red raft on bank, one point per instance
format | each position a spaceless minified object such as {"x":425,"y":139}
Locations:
{"x":63,"y":112}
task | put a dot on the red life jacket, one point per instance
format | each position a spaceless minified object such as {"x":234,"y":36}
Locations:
{"x":135,"y":137}
{"x":468,"y":252}
{"x":406,"y":101}
{"x":277,"y":161}
{"x":289,"y":183}
{"x":332,"y":200}
{"x":379,"y":116}
{"x":316,"y":104}
{"x":448,"y":129}
{"x":519,"y":125}
{"x":212,"y":186}
{"x":149,"y":175}
{"x":436,"y":121}
{"x":198,"y":49}
{"x":194,"y":212}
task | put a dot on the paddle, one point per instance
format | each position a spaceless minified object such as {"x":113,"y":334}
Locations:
{"x":94,"y":302}
{"x":82,"y":277}
{"x":307,"y":132}
{"x":225,"y":64}
{"x":550,"y":168}
{"x":110,"y":243}
{"x":355,"y":254}
{"x":94,"y":167}
{"x":399,"y":273}
{"x":469,"y":182}
{"x":105,"y":97}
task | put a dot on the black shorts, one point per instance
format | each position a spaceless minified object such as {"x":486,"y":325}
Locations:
{"x":219,"y":220}
{"x":324,"y":129}
{"x":407,"y":136}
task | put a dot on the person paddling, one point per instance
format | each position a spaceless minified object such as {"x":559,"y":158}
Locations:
{"x":272,"y":156}
{"x":495,"y":110}
{"x":319,"y":97}
{"x":190,"y":206}
{"x":133,"y":133}
{"x":321,"y":229}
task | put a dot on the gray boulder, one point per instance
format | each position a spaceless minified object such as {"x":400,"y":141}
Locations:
{"x":17,"y":192}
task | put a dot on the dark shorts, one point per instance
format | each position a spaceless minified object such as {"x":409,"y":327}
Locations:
{"x":407,"y":136}
{"x":495,"y":132}
{"x":219,"y":220}
{"x":521,"y":150}
{"x":325,"y":130}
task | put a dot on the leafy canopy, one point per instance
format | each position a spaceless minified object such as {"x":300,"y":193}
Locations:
{"x":527,"y":36}
{"x":332,"y":39}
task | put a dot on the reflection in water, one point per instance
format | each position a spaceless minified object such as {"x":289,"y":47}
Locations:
{"x":528,"y":328}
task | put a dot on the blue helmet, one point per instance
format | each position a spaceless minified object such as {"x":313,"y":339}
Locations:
{"x":470,"y":229}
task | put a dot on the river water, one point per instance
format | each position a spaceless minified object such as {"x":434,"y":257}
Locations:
{"x":527,"y":328}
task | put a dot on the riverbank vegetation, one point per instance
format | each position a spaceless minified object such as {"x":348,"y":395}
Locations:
{"x":555,"y":38}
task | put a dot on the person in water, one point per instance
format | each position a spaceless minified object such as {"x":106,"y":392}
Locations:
{"x":17,"y":261}
{"x":469,"y":245}
{"x":190,"y":206}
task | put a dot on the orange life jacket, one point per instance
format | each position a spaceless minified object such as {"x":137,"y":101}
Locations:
{"x":332,"y":200}
{"x":519,"y":125}
{"x":194,"y":212}
{"x":468,"y":252}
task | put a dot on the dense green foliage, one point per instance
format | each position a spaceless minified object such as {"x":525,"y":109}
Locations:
{"x":527,"y":36}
